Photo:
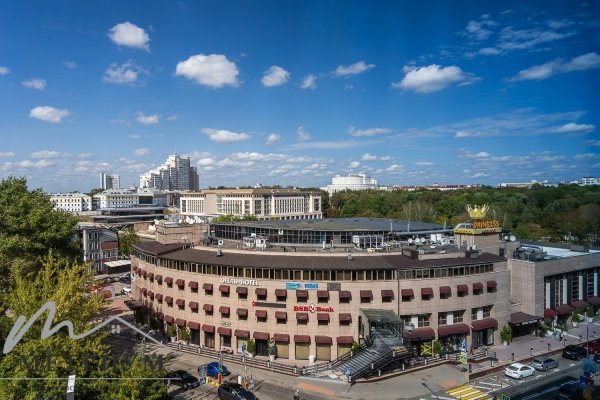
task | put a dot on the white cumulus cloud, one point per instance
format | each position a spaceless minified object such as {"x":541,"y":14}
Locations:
{"x":128,"y":73}
{"x":354,"y":164}
{"x":207,"y":161}
{"x":130,"y":35}
{"x":544,"y":71}
{"x":224,"y":136}
{"x":4,"y":70}
{"x":424,"y":163}
{"x":309,"y":82}
{"x":353,"y":69}
{"x":35,"y":83}
{"x":45,"y":154}
{"x":48,"y":114}
{"x":7,"y":154}
{"x":273,"y":138}
{"x":367,"y":132}
{"x":213,"y":70}
{"x":302,"y":135}
{"x":433,"y":78}
{"x":573,"y":127}
{"x":368,"y":157}
{"x":147,"y":119}
{"x":142,"y":152}
{"x":275,"y":76}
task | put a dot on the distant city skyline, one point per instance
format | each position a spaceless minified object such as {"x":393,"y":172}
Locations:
{"x":294,"y":93}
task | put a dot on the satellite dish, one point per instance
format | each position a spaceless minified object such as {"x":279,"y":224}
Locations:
{"x":418,"y":240}
{"x":505,"y":238}
{"x":513,"y":238}
{"x":410,"y":240}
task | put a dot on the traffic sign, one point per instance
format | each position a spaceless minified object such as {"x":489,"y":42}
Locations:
{"x":347,"y":371}
{"x":505,"y":397}
{"x":462,"y":358}
{"x":463,"y":345}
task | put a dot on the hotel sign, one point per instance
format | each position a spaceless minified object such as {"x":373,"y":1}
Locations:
{"x":312,"y":308}
{"x":486,"y":224}
{"x":243,"y":282}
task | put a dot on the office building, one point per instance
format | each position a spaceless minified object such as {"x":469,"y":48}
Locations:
{"x":108,"y":182}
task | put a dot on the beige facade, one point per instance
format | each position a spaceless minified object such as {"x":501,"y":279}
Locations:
{"x":310,"y":303}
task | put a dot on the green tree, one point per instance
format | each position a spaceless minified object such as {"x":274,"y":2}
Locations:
{"x":127,"y":238}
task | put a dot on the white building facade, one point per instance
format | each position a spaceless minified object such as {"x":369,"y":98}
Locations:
{"x":116,"y":199}
{"x":175,"y":174}
{"x":350,"y":182}
{"x":71,"y":202}
{"x":108,"y":181}
{"x":261,"y":203}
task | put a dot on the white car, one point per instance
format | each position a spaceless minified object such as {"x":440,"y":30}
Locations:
{"x":126,"y":290}
{"x":518,"y":370}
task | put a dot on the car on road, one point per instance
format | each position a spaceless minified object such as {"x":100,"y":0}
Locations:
{"x":593,"y":345}
{"x":125,"y":279}
{"x":569,"y":391}
{"x":126,"y":290}
{"x":212,"y":369}
{"x":543,"y":363}
{"x":518,"y":370}
{"x":183,"y":379}
{"x":573,"y":352}
{"x":234,"y":391}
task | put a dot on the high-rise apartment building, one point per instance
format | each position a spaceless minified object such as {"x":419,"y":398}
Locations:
{"x":175,"y":174}
{"x":108,"y":182}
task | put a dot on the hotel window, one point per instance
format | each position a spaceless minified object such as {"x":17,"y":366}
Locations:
{"x":458,"y":316}
{"x":487,"y":310}
{"x":424,"y":320}
{"x":474,"y":312}
{"x":442,"y":318}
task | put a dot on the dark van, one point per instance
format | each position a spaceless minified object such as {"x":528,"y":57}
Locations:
{"x":570,"y":391}
{"x":573,"y":352}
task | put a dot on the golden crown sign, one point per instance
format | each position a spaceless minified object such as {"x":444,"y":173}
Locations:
{"x":477,"y":212}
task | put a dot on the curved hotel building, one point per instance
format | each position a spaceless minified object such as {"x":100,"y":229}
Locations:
{"x":313,"y":286}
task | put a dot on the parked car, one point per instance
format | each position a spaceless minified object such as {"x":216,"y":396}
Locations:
{"x":126,"y":290}
{"x":183,"y":379}
{"x":234,"y":391}
{"x":543,"y":363}
{"x":518,"y":370}
{"x":573,"y":352}
{"x":212,"y":369}
{"x":125,"y":279}
{"x":593,"y":345}
{"x":569,"y":391}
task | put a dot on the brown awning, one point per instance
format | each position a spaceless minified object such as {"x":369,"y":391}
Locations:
{"x":491,"y":284}
{"x":521,"y":318}
{"x":180,"y":282}
{"x":345,"y":317}
{"x":422,"y":334}
{"x":224,"y":310}
{"x":301,"y":339}
{"x":150,"y":275}
{"x":193,"y":325}
{"x":134,"y":268}
{"x":281,"y":315}
{"x":550,"y":313}
{"x":180,"y":322}
{"x":224,"y":331}
{"x":594,"y":300}
{"x":580,"y":304}
{"x":462,"y":288}
{"x":426,"y":291}
{"x":366,"y":294}
{"x":260,"y":291}
{"x":260,"y":335}
{"x":241,"y":333}
{"x":407,"y":293}
{"x":241,"y":290}
{"x":261,"y":313}
{"x":144,"y":274}
{"x":455,"y":329}
{"x":207,"y":307}
{"x":194,"y":305}
{"x":477,"y":286}
{"x":301,"y":294}
{"x":158,"y":278}
{"x":134,"y":304}
{"x":169,"y":319}
{"x":224,"y":288}
{"x":151,"y":294}
{"x":242,"y":312}
{"x":281,"y":337}
{"x":280,"y":293}
{"x":387,"y":294}
{"x":302,"y":316}
{"x":144,"y":291}
{"x":445,"y":290}
{"x":564,"y":309}
{"x":193,"y":284}
{"x":322,"y":317}
{"x":485,"y":323}
{"x":322,"y":294}
{"x":323,"y":339}
{"x":345,"y":294}
{"x":180,"y":302}
{"x":168,"y":300}
{"x":207,"y":286}
{"x":160,"y":316}
{"x":344,"y":340}
{"x":208,"y":328}
{"x":168,"y":280}
{"x":158,"y":297}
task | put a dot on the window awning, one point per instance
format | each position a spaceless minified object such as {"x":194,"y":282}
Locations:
{"x":344,"y":340}
{"x":421,"y":334}
{"x":168,"y":280}
{"x":241,"y":333}
{"x":366,"y":294}
{"x":194,"y":305}
{"x":150,"y":275}
{"x":301,"y":294}
{"x":168,"y":300}
{"x":158,"y":297}
{"x":426,"y":291}
{"x":193,"y":284}
{"x":261,"y":335}
{"x":281,"y":337}
{"x":280,"y":293}
{"x":445,"y":290}
{"x":486,"y":323}
{"x":208,"y":328}
{"x":261,"y":313}
{"x":387,"y":294}
{"x":224,"y":288}
{"x":242,"y":312}
{"x":478,"y":286}
{"x":491,"y":284}
{"x":322,"y":317}
{"x":180,"y":302}
{"x":193,"y":325}
{"x":207,"y":287}
{"x":134,"y":304}
{"x":151,"y":294}
{"x":521,"y":318}
{"x":207,"y":307}
{"x":563,"y":309}
{"x":462,"y":288}
{"x":345,"y":294}
{"x":322,"y":294}
{"x":169,"y":319}
{"x":407,"y":293}
{"x":302,"y":316}
{"x":224,"y":310}
{"x":454,"y":329}
{"x":180,"y":282}
{"x":281,"y":315}
{"x":301,"y":338}
{"x":241,"y":290}
{"x":261,"y":291}
{"x":158,"y":278}
{"x":323,"y":339}
{"x":345,"y":317}
{"x":580,"y":304}
{"x":224,"y":331}
{"x":180,"y":322}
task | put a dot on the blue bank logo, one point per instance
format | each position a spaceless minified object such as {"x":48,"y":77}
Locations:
{"x":311,"y":286}
{"x":292,"y":285}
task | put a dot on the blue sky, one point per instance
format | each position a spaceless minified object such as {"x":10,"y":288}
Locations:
{"x":294,"y":92}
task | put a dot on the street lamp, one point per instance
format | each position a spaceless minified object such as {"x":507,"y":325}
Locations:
{"x":425,"y":386}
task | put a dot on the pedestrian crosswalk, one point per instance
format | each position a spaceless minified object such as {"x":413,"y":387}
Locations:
{"x":468,"y":392}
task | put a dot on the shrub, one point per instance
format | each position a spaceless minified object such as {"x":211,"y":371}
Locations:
{"x":250,"y":347}
{"x":172,"y":330}
{"x":505,"y":334}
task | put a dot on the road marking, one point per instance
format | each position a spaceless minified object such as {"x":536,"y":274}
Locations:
{"x":468,"y":392}
{"x":483,"y":387}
